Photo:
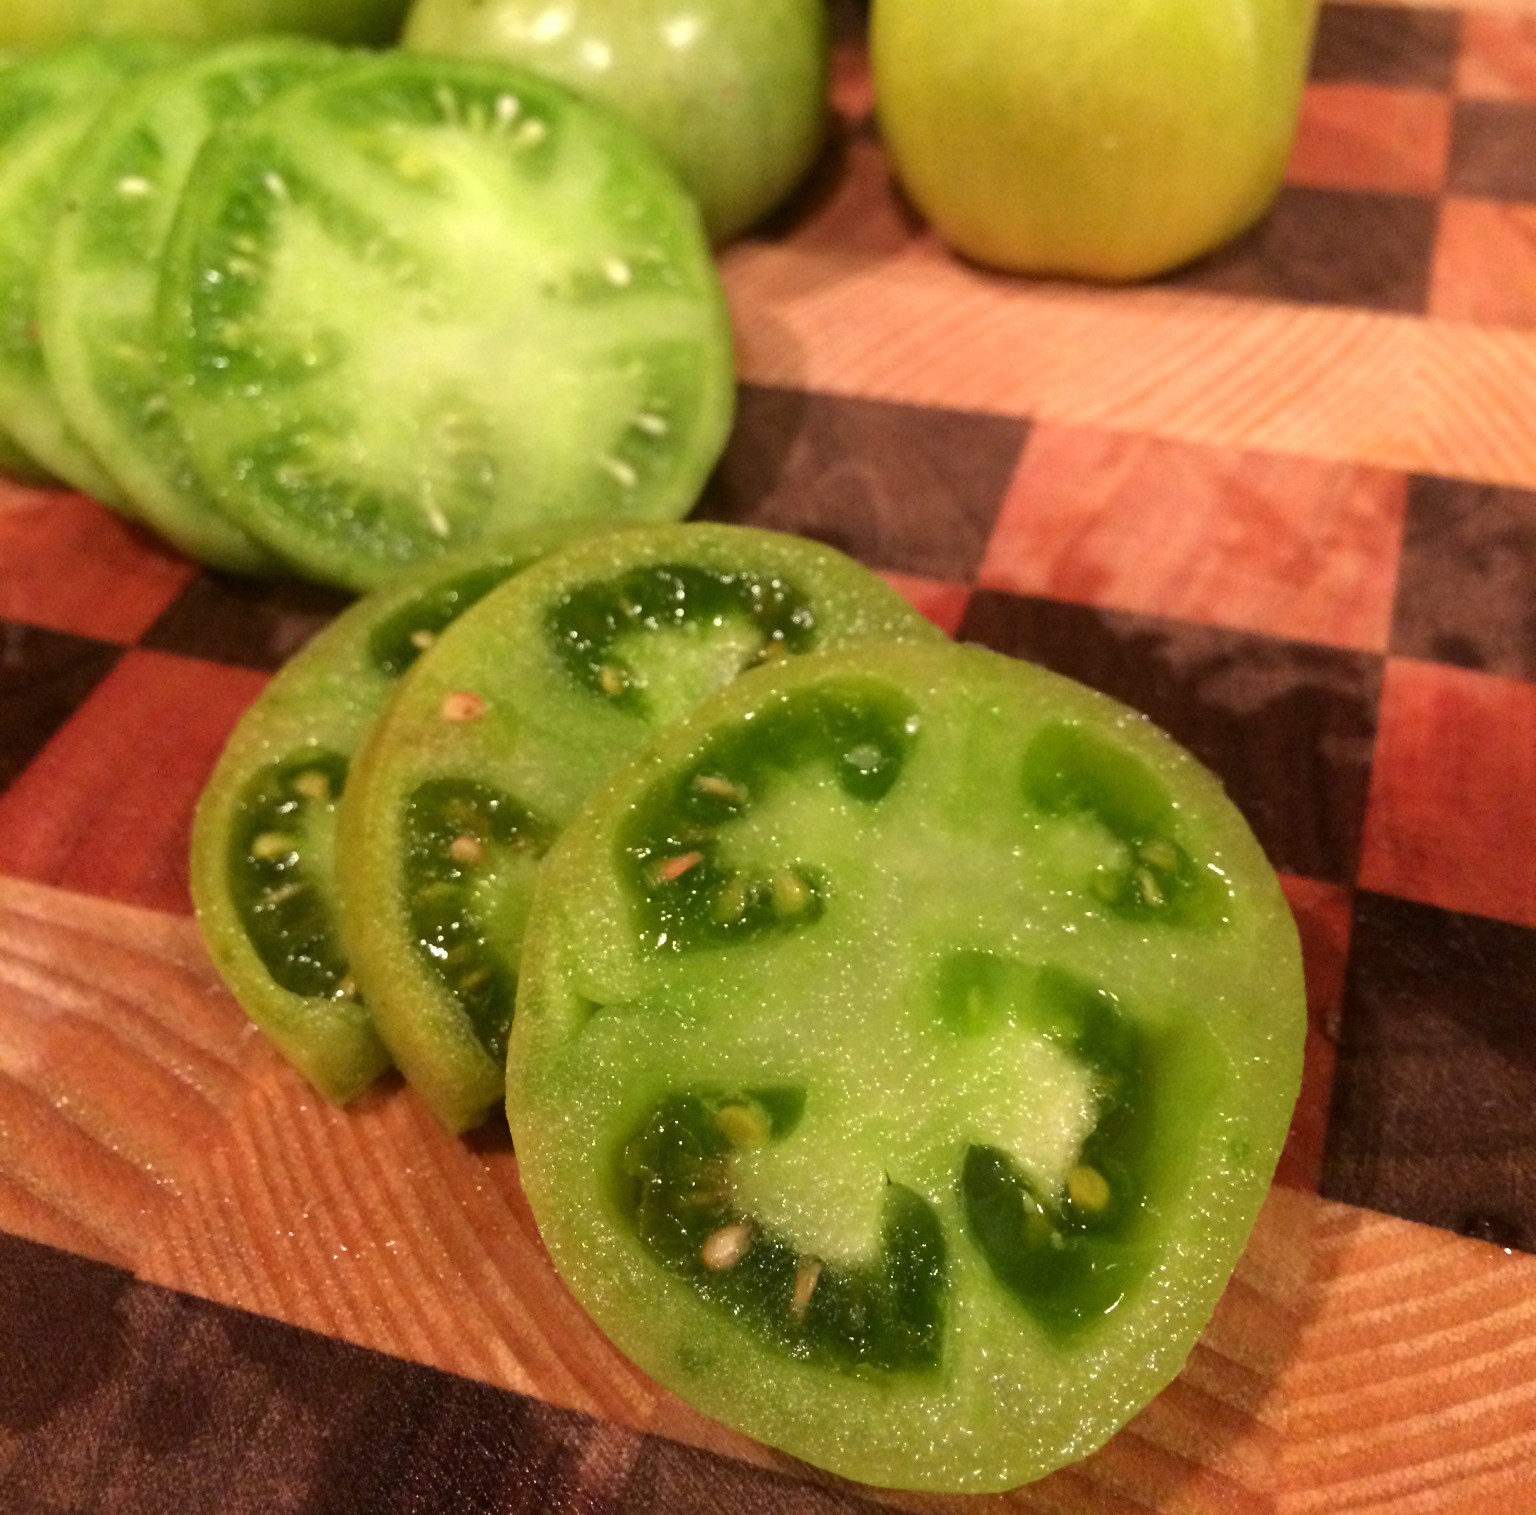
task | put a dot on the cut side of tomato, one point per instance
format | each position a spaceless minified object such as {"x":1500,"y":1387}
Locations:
{"x":496,"y":737}
{"x":419,"y":301}
{"x":47,"y":105}
{"x":904,"y":1045}
{"x":100,"y":283}
{"x":263,"y":842}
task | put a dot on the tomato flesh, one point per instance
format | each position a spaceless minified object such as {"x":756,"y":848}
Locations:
{"x":872,"y":1085}
{"x":100,"y":283}
{"x":263,"y":840}
{"x":419,"y":301}
{"x":498,"y":735}
{"x":47,"y":105}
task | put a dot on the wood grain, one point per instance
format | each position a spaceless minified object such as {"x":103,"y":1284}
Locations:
{"x":1356,"y":1362}
{"x":917,"y":326}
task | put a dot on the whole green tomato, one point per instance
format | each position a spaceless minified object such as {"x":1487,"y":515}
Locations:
{"x":1105,"y":139}
{"x":732,"y":92}
{"x":41,"y":23}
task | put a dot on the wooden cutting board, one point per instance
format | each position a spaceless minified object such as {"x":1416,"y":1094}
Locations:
{"x":1356,"y":1361}
{"x":1285,"y":501}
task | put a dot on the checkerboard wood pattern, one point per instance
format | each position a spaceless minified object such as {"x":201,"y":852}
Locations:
{"x":1284,"y":501}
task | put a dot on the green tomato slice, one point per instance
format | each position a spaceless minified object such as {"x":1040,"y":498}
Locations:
{"x":14,"y":462}
{"x":903,"y":1049}
{"x":100,"y":284}
{"x":263,"y":839}
{"x":419,"y":300}
{"x":47,"y":105}
{"x":495,"y":739}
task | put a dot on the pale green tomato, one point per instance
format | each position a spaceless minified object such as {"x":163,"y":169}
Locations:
{"x":42,"y":23}
{"x":732,"y":92}
{"x":1106,"y":139}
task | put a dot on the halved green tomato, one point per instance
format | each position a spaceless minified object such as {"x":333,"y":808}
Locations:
{"x":100,"y":282}
{"x":47,"y":105}
{"x":263,"y":857}
{"x":495,"y":739}
{"x":903,"y":1050}
{"x":417,"y":301}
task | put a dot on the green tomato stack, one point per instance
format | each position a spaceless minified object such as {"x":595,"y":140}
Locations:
{"x":321,"y":311}
{"x":897,"y":1039}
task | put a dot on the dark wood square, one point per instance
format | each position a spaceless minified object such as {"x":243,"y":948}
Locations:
{"x":1386,"y":44}
{"x":105,"y":810}
{"x":1433,"y":1117}
{"x":1466,"y":584}
{"x":119,"y":1395}
{"x":912,"y":489}
{"x":1287,"y":726}
{"x":45,"y":676}
{"x":1363,"y":249}
{"x":244,"y":622}
{"x":1493,"y":150}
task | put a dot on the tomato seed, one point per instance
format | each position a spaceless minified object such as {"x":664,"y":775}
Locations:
{"x":742,"y":1125}
{"x":726,"y":1247}
{"x":675,"y":867}
{"x":312,"y":785}
{"x":807,"y":1276}
{"x":720,"y":788}
{"x":462,"y":705}
{"x":1087,"y":1188}
{"x":790,"y":895}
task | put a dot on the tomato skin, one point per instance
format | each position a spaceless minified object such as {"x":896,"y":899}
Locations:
{"x":1106,"y":139}
{"x":734,"y":95}
{"x":42,"y":23}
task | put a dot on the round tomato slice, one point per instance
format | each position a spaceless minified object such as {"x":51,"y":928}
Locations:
{"x":100,"y":283}
{"x":417,"y":301}
{"x":47,"y":105}
{"x":263,"y":855}
{"x":903,"y":1050}
{"x":498,"y":735}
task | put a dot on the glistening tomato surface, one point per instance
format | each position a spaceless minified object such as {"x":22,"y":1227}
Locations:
{"x":499,"y":733}
{"x":263,"y":865}
{"x":733,"y":95}
{"x":903,"y":1051}
{"x":47,"y":105}
{"x":100,"y":280}
{"x":1111,"y":139}
{"x":420,"y":301}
